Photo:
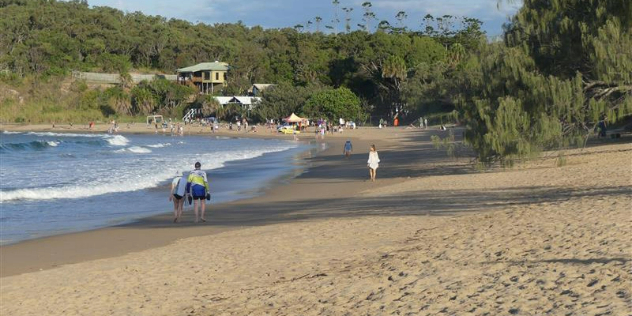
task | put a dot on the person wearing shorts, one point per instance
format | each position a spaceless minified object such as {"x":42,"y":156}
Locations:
{"x":197,"y":185}
{"x":347,"y":149}
{"x":178,"y":200}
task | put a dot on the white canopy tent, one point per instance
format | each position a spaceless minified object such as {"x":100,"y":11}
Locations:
{"x":294,"y":119}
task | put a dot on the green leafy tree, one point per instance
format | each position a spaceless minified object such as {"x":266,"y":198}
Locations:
{"x":334,"y":104}
{"x":283,"y":100}
{"x":557,"y":75}
{"x":143,"y":100}
{"x":209,"y":105}
{"x":118,"y":100}
{"x":43,"y":41}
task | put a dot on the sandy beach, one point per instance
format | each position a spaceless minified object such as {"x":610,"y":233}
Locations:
{"x":431,"y":236}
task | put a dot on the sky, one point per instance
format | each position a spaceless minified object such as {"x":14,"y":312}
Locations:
{"x":288,"y":13}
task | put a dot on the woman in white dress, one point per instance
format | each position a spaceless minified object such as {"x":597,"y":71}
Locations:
{"x":373,"y":162}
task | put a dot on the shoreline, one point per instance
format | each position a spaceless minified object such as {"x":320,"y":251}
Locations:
{"x":52,"y":251}
{"x":431,"y":236}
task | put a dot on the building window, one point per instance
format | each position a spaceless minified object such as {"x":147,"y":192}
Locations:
{"x":217,"y":76}
{"x":207,"y":76}
{"x":224,"y":76}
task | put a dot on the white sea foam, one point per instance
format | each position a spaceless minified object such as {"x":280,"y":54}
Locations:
{"x":10,"y":133}
{"x":133,"y":179}
{"x":139,"y":150}
{"x":66,"y":134}
{"x":53,"y":143}
{"x":113,"y":140}
{"x":117,"y":140}
{"x":159,"y":145}
{"x":134,"y":149}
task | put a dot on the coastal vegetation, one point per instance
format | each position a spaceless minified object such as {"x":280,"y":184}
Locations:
{"x":561,"y":68}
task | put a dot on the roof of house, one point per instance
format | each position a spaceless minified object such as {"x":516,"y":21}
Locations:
{"x":223,"y":100}
{"x":248,"y":100}
{"x":217,"y":66}
{"x":238,"y":99}
{"x":260,"y":86}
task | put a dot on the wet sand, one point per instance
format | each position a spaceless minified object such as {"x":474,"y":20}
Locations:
{"x":49,"y":252}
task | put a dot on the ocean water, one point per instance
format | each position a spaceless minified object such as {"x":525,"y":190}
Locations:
{"x":53,"y":183}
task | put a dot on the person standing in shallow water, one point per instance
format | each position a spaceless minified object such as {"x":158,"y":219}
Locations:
{"x":373,"y":162}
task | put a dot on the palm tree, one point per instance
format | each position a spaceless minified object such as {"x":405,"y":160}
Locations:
{"x":347,"y":19}
{"x":401,"y":16}
{"x":210,"y":106}
{"x":318,"y":20}
{"x":336,"y":20}
{"x":368,"y":15}
{"x":457,"y":51}
{"x":143,"y":100}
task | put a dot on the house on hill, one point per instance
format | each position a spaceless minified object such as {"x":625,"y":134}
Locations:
{"x":258,"y":87}
{"x":246,"y":102}
{"x":207,"y":77}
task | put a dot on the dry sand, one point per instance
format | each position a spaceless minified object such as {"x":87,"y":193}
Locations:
{"x":432,"y":236}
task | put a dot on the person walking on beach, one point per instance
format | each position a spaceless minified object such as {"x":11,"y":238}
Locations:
{"x":373,"y":162}
{"x":178,"y":200}
{"x":348,"y":148}
{"x":197,"y":187}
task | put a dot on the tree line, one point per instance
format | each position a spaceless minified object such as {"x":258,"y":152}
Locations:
{"x":51,"y":38}
{"x":561,"y":67}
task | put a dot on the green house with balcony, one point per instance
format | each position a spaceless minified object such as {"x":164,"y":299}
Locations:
{"x":207,"y":77}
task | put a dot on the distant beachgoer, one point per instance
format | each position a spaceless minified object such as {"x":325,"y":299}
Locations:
{"x":425,"y":123}
{"x":238,"y":126}
{"x":373,"y":162}
{"x":197,"y":187}
{"x":348,"y":148}
{"x":178,"y":200}
{"x":602,"y":127}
